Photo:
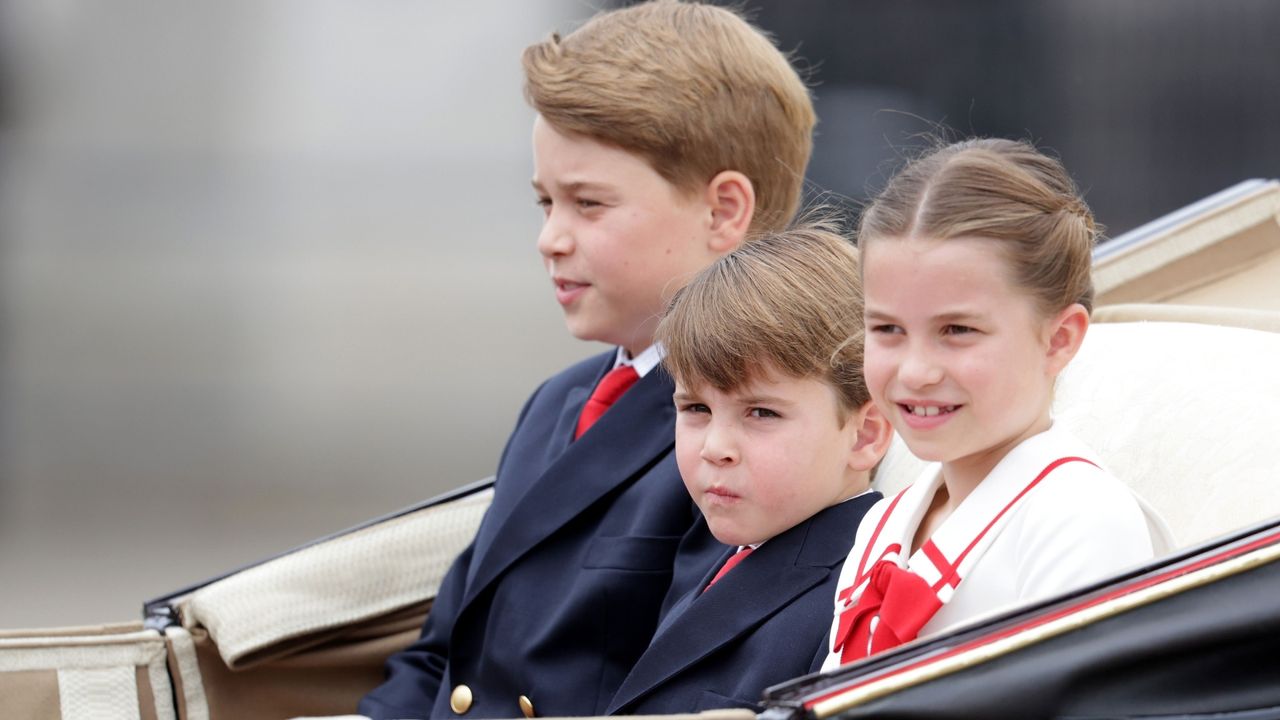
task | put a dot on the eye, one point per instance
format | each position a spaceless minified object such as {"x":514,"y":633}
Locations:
{"x":587,"y":203}
{"x":957,"y":330}
{"x":760,"y":412}
{"x":887,"y":329}
{"x":693,"y":407}
{"x":543,"y":202}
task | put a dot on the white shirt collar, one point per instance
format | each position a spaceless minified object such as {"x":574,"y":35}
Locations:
{"x":647,"y":360}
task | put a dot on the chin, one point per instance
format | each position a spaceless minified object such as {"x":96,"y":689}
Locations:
{"x":928,"y":452}
{"x":734,"y":537}
{"x":586,"y":333}
{"x":728,"y":536}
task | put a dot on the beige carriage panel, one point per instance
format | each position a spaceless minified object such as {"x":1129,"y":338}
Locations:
{"x":290,"y":602}
{"x":1268,"y":320}
{"x":323,"y":679}
{"x":1184,"y":413}
{"x":307,"y":633}
{"x":113,"y":672}
{"x":1220,"y":251}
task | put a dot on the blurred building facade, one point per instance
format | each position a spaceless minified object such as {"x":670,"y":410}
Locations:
{"x":1151,"y":104}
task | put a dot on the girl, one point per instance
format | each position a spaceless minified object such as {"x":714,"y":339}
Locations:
{"x":976,"y":271}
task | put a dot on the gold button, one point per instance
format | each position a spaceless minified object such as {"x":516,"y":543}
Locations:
{"x":460,"y":699}
{"x":526,"y":706}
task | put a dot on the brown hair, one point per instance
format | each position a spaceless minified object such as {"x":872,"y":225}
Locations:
{"x":790,"y":301}
{"x":1003,"y":190}
{"x":693,"y":89}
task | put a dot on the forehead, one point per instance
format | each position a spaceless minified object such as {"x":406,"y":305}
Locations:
{"x":763,"y":381}
{"x":929,"y":276}
{"x":572,"y":160}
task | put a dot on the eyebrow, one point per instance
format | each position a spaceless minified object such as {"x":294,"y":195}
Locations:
{"x":946,"y":317}
{"x":574,"y":187}
{"x":764,"y":400}
{"x":959,"y":315}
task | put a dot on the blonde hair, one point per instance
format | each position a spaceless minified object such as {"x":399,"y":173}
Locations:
{"x":693,"y":89}
{"x":790,"y":301}
{"x":1003,"y":190}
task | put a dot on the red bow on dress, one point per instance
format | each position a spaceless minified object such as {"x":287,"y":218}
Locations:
{"x":902,"y":600}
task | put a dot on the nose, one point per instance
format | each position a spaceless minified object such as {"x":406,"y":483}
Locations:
{"x":919,"y":367}
{"x":555,"y":238}
{"x":719,"y":446}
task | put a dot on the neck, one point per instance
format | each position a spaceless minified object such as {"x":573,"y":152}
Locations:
{"x":963,"y":475}
{"x":640,"y":340}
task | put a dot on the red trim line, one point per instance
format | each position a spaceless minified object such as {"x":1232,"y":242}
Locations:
{"x":1134,"y":586}
{"x":948,"y":573}
{"x":953,"y":578}
{"x":866,"y":554}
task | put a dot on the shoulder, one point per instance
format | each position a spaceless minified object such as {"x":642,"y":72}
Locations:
{"x":828,"y":535}
{"x":1085,"y":496}
{"x":1079,"y":524}
{"x":1077,"y":490}
{"x":583,"y":372}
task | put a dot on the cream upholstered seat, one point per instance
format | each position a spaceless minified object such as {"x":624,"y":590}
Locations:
{"x":1186,"y":413}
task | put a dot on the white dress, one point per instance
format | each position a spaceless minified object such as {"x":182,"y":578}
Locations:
{"x":1046,"y":519}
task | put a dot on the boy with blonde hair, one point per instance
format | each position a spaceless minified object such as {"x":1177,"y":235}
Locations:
{"x":666,"y":133}
{"x":776,"y":439}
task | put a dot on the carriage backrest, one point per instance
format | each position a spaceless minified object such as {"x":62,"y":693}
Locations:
{"x":1186,"y":413}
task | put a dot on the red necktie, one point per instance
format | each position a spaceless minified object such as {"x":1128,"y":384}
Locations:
{"x":729,"y":564}
{"x":611,"y":387}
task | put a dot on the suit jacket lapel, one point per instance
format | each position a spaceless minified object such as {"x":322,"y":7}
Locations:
{"x":682,"y":604}
{"x":504,"y":503}
{"x":741,"y":601}
{"x":619,"y":447}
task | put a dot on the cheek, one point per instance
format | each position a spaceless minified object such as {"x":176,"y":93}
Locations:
{"x":778,"y":462}
{"x":686,"y":452}
{"x":1000,"y":371}
{"x":877,"y":368}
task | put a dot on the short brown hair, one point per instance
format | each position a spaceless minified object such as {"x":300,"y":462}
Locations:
{"x":1003,"y":190}
{"x":790,"y":301}
{"x":693,"y":89}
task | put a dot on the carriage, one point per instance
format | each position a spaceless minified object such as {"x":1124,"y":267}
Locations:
{"x":1175,"y":388}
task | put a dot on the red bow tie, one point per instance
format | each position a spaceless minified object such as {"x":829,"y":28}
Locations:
{"x":902,"y":601}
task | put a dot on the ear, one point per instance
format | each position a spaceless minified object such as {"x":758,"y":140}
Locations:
{"x":874,"y":433}
{"x":732,"y":199}
{"x":1066,"y":333}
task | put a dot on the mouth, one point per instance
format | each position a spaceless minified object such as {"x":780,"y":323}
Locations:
{"x":922,"y":417}
{"x":568,"y":290}
{"x":720,"y":495}
{"x":928,"y":410}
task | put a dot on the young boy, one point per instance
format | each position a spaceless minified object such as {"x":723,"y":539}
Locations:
{"x":665,"y":133}
{"x":776,"y":439}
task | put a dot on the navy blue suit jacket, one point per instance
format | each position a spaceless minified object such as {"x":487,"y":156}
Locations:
{"x":560,"y":591}
{"x":764,"y":622}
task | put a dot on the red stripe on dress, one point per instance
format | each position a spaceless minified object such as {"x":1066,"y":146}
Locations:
{"x":1043,"y":474}
{"x":866,"y":554}
{"x":948,"y":572}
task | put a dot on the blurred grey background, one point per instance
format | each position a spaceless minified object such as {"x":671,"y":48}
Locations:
{"x":267,"y":267}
